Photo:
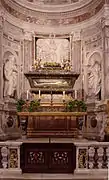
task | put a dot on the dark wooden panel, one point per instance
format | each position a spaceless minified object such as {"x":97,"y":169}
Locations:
{"x":0,"y":159}
{"x":48,"y":158}
{"x":55,"y":126}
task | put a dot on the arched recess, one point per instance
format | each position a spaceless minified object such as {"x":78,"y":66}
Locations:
{"x":98,"y":55}
{"x":6,"y":54}
{"x":94,"y":74}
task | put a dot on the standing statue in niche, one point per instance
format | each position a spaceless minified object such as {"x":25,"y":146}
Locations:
{"x":94,"y":76}
{"x":10,"y":77}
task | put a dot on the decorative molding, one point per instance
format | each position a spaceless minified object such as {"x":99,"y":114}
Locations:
{"x":27,"y":35}
{"x":77,"y":35}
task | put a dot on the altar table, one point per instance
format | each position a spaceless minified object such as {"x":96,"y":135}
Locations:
{"x":52,"y":124}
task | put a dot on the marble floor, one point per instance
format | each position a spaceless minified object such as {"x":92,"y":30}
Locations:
{"x":28,"y":176}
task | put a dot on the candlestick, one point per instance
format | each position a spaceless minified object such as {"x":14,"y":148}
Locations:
{"x":27,"y":97}
{"x":63,"y":95}
{"x":39,"y":94}
{"x":51,"y":98}
{"x":75,"y":94}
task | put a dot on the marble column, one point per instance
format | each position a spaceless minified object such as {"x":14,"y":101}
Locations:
{"x":27,"y":48}
{"x":106,"y":61}
{"x":76,"y":52}
{"x":1,"y":59}
{"x":2,"y":135}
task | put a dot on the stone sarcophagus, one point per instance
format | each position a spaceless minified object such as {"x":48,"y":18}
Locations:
{"x":55,"y":81}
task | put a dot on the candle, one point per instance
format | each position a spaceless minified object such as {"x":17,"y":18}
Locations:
{"x":75,"y":94}
{"x":27,"y":95}
{"x":63,"y":95}
{"x":39,"y":94}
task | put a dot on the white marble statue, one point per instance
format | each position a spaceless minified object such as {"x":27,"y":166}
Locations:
{"x":10,"y":76}
{"x":94,"y":77}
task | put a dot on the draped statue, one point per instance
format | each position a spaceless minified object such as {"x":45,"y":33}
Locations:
{"x":10,"y":77}
{"x":94,"y":75}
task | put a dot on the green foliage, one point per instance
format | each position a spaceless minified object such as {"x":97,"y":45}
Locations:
{"x":34,"y":105}
{"x":76,"y":105}
{"x":20,"y":104}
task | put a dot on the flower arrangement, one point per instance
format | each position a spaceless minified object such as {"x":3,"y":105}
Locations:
{"x":76,"y":105}
{"x":30,"y":106}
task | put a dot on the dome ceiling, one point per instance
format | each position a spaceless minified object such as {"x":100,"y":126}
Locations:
{"x":53,"y":2}
{"x":53,"y":12}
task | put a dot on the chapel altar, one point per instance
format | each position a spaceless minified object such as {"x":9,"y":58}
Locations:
{"x":52,"y":87}
{"x":54,"y":65}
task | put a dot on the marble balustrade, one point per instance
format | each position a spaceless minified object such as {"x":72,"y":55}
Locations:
{"x":92,"y":157}
{"x":10,"y":157}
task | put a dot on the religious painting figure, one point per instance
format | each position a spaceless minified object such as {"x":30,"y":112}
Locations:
{"x":10,"y":77}
{"x":94,"y":75}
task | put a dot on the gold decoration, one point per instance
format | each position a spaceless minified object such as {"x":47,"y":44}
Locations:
{"x":13,"y":158}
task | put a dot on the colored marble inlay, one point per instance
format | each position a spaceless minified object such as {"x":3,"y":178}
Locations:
{"x":60,"y":158}
{"x":35,"y":157}
{"x":13,"y":158}
{"x":82,"y":158}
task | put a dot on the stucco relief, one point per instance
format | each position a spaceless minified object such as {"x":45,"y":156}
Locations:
{"x":10,"y":75}
{"x":94,"y":75}
{"x":53,"y":50}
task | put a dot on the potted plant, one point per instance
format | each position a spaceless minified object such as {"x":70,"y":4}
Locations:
{"x":20,"y":104}
{"x":30,"y":106}
{"x":33,"y":106}
{"x":76,"y":106}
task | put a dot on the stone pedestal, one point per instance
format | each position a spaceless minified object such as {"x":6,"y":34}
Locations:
{"x":94,"y":127}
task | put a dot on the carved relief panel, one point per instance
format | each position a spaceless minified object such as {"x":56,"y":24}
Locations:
{"x":53,"y":50}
